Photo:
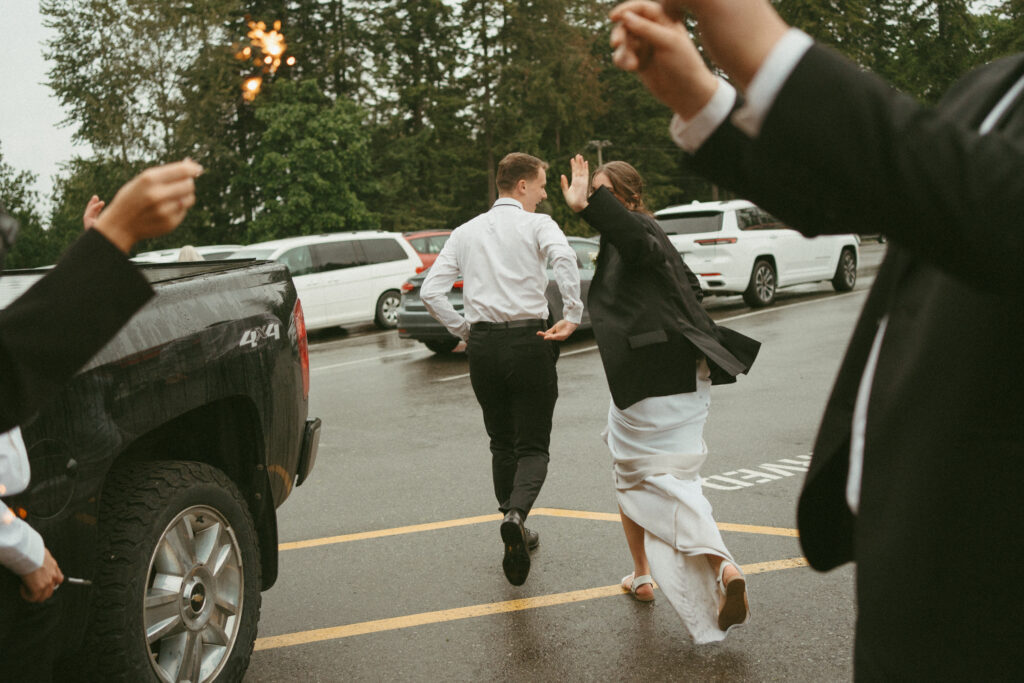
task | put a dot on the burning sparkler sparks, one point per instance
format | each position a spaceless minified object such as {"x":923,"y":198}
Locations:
{"x":269,"y":49}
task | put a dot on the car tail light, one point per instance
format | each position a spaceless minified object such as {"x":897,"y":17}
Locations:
{"x":710,"y":274}
{"x":408,"y":287}
{"x":716,"y":240}
{"x":457,"y":284}
{"x":300,"y":333}
{"x":420,"y":269}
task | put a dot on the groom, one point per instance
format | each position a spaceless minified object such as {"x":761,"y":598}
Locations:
{"x":501,"y":256}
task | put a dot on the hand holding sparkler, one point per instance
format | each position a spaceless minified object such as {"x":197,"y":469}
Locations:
{"x":151,"y":204}
{"x":39,"y":585}
{"x":659,"y":49}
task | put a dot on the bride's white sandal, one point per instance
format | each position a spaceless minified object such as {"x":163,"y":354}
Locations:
{"x":631,"y":582}
{"x":734,"y":610}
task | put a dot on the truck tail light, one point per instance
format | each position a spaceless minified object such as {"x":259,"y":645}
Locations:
{"x":300,"y":333}
{"x":716,"y":240}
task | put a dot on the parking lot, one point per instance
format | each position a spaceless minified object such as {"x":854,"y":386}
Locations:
{"x":391,"y":559}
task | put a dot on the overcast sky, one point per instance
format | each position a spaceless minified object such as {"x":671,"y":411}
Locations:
{"x":30,"y":137}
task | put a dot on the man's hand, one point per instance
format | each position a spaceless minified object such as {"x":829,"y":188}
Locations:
{"x":39,"y":585}
{"x":738,"y":35}
{"x":560,"y":332}
{"x":576,"y":194}
{"x":662,"y":54}
{"x":151,"y":204}
{"x":92,"y":211}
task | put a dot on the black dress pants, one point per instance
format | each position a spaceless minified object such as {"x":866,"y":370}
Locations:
{"x":513,"y":375}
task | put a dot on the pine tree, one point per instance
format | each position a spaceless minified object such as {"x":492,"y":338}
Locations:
{"x":31,"y":247}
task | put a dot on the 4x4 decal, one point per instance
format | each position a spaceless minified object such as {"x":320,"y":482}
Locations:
{"x":255,"y":335}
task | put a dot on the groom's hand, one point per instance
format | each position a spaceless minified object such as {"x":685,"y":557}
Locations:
{"x":559,"y":332}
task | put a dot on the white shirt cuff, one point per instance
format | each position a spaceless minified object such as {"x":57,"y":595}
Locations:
{"x":769,"y":79}
{"x":690,"y":135}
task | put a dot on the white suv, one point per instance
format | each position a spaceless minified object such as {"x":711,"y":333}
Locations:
{"x":345,"y":277}
{"x":735,"y":247}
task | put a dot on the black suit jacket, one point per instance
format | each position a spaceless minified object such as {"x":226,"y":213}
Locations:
{"x":938,"y":526}
{"x":646,"y":313}
{"x":62,"y":321}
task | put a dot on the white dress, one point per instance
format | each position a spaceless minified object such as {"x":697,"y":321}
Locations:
{"x":657,"y":448}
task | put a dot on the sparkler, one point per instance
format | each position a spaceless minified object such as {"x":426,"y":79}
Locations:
{"x":269,"y":49}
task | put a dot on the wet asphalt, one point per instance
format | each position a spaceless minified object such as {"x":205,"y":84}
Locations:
{"x":386,"y":574}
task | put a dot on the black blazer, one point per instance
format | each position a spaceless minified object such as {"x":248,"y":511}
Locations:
{"x":939,"y":518}
{"x":645,"y":308}
{"x":62,"y":321}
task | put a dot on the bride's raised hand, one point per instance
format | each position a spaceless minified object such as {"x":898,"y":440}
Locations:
{"x":577,"y":192}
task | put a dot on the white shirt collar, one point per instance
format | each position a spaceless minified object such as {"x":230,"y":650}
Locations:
{"x":508,"y":201}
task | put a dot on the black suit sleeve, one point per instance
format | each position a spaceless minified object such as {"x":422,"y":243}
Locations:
{"x":62,"y":321}
{"x":840,"y":151}
{"x":620,"y":226}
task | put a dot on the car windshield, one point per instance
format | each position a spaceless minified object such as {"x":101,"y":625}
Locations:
{"x":691,"y":223}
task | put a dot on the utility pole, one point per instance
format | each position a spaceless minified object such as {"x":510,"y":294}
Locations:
{"x":600,"y":145}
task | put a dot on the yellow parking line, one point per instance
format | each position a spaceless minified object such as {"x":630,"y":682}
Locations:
{"x":425,"y":618}
{"x":775,"y":565}
{"x":762,"y":530}
{"x":396,"y":531}
{"x":576,"y":514}
{"x":542,"y":512}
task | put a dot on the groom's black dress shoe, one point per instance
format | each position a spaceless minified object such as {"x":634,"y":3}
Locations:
{"x":517,"y":556}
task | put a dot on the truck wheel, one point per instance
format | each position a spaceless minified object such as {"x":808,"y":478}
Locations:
{"x":177,"y":590}
{"x":442,"y":345}
{"x":761,"y":290}
{"x":846,"y":272}
{"x":387,"y":309}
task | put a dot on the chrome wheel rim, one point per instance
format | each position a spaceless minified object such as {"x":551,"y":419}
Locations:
{"x":193,"y":604}
{"x":389,"y":309}
{"x":764,"y":283}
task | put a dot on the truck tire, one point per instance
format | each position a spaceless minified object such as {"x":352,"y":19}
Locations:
{"x":846,"y":271}
{"x":177,"y":588}
{"x":388,"y":304}
{"x":761,"y":290}
{"x":442,"y":346}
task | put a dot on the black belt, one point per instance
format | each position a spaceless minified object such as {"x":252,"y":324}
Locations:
{"x":533,"y":323}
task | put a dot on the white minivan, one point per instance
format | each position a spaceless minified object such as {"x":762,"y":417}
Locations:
{"x":735,"y":247}
{"x":345,"y":277}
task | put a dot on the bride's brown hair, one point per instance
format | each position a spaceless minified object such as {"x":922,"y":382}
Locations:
{"x":626,"y":184}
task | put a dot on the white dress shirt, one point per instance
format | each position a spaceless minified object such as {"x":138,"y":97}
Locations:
{"x":501,"y":257}
{"x":21,"y":546}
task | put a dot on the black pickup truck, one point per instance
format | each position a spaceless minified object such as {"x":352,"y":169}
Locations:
{"x":157,"y":472}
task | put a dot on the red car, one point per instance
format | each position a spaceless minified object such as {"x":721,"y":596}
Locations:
{"x":428,"y":244}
